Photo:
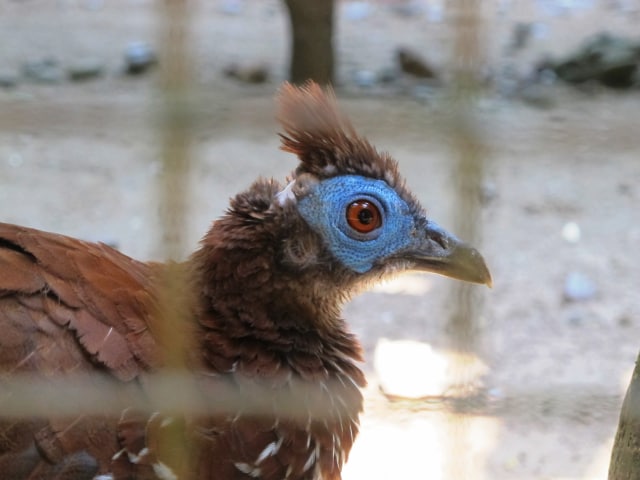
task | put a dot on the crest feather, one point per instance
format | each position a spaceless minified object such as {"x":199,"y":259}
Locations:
{"x":324,"y":139}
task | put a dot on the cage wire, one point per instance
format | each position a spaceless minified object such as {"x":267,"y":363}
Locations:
{"x":175,"y":134}
{"x":468,"y":163}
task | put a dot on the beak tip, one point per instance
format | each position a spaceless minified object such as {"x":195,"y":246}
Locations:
{"x":475,"y":266}
{"x":481,"y":265}
{"x":446,"y":255}
{"x":467,"y":264}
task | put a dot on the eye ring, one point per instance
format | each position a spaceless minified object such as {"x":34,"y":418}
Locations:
{"x":363,"y":216}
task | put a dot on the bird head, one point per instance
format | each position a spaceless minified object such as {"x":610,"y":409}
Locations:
{"x":355,"y":202}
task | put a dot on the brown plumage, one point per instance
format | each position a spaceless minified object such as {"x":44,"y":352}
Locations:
{"x":267,"y":291}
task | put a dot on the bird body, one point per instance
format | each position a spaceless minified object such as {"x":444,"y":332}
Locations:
{"x":265,"y":290}
{"x":412,"y":64}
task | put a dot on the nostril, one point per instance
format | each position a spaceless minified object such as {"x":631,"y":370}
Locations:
{"x":440,"y":239}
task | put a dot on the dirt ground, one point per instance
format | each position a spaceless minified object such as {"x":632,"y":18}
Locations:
{"x":82,"y":159}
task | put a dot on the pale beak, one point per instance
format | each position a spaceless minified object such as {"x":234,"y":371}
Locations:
{"x":438,"y":251}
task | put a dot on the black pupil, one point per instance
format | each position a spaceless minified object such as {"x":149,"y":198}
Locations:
{"x":365,"y":216}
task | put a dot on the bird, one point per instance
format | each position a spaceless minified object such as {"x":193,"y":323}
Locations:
{"x":413,"y":65}
{"x":265,"y":291}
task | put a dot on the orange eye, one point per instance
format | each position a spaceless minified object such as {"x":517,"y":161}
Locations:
{"x":363,"y":216}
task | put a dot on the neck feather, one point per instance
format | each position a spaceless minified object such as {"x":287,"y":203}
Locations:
{"x":258,"y":317}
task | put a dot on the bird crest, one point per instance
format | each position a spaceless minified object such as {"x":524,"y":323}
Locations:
{"x":324,"y":139}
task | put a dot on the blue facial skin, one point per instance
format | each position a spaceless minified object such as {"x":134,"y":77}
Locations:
{"x":324,"y":209}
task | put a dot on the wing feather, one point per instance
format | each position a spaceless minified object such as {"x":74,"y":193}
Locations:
{"x":69,"y":306}
{"x":19,"y":274}
{"x":102,"y":295}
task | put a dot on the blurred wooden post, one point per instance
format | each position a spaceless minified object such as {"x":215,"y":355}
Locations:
{"x":174,"y":130}
{"x":468,"y":159}
{"x":312,"y":56}
{"x":469,"y":152}
{"x":625,"y":456}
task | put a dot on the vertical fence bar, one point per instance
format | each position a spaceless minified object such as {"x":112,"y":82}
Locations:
{"x":174,"y":133}
{"x":175,"y":127}
{"x":468,"y":164}
{"x":469,"y":152}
